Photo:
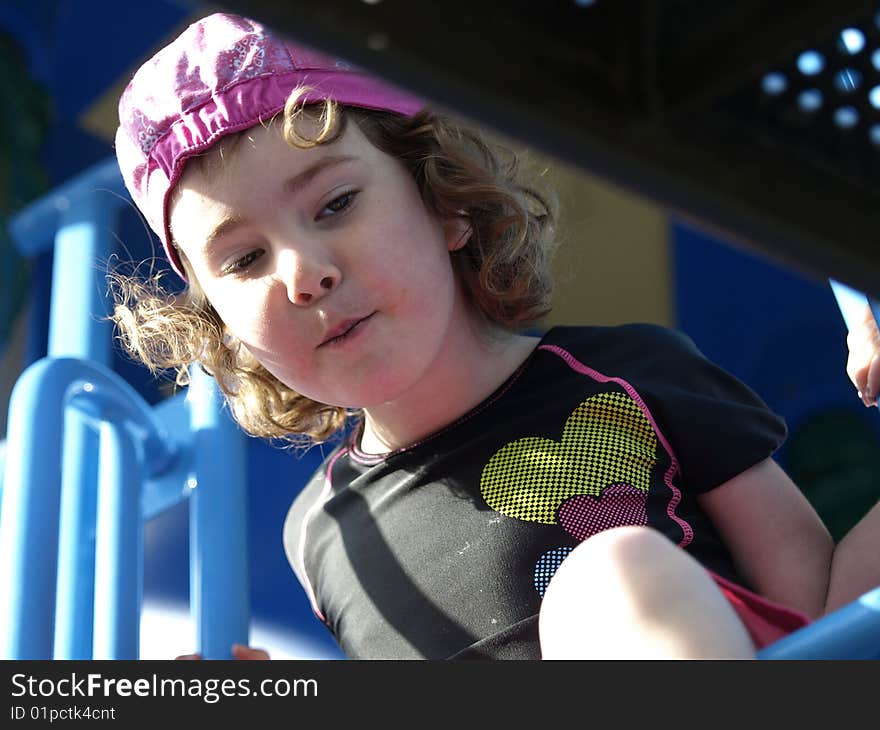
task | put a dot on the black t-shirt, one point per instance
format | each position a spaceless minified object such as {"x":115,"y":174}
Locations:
{"x":444,"y":549}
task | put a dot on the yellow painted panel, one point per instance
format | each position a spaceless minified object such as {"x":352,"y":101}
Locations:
{"x":613,"y":264}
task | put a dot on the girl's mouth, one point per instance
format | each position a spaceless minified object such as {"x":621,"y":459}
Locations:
{"x":345,"y":331}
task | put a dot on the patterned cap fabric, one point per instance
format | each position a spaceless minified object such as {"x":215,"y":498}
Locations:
{"x":223,"y":74}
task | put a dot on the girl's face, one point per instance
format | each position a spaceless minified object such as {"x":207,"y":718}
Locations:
{"x":325,"y":264}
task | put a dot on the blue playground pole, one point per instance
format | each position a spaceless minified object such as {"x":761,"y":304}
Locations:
{"x":218,"y":539}
{"x":83,"y":243}
{"x":851,"y":632}
{"x":851,"y":303}
{"x":118,"y":547}
{"x":29,"y":515}
{"x":29,"y":557}
{"x":77,"y":221}
{"x":78,"y":328}
{"x":75,"y":585}
{"x":57,"y":538}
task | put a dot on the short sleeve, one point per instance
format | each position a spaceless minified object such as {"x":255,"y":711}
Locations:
{"x":716,"y":425}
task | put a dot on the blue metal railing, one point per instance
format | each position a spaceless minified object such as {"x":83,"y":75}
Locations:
{"x":87,"y":461}
{"x":851,"y":632}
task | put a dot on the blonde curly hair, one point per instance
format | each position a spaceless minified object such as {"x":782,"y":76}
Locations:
{"x":504,"y":267}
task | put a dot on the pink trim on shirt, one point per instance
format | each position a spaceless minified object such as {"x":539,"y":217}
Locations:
{"x":579,"y":367}
{"x":301,"y":551}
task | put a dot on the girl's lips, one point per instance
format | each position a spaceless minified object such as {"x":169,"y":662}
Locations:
{"x":342,"y":329}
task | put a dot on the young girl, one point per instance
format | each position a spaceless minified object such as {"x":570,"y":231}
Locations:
{"x":595,"y":492}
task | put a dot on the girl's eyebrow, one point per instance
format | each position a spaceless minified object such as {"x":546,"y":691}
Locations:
{"x":292,"y":186}
{"x":227,"y":225}
{"x":296,"y":183}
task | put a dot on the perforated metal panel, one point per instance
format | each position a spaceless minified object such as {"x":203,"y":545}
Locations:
{"x":824,"y":101}
{"x":668,"y":98}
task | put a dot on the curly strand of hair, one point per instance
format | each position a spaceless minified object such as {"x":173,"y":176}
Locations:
{"x":263,"y":406}
{"x":512,"y":229}
{"x":330,"y":121}
{"x":153,"y":329}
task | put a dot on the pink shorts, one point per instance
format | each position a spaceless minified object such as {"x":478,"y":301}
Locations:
{"x":765,"y":620}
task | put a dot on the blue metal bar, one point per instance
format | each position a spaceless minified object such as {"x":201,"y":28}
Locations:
{"x":851,"y":303}
{"x":171,"y":487}
{"x":219,"y":600}
{"x":851,"y":632}
{"x":29,"y":518}
{"x":33,"y":229}
{"x":77,"y":322}
{"x":79,"y":219}
{"x":119,"y":547}
{"x":76,"y":540}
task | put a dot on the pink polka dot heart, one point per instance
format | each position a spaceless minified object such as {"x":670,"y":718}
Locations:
{"x":584,"y":515}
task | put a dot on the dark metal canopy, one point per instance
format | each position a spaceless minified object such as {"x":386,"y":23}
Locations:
{"x":758,"y":119}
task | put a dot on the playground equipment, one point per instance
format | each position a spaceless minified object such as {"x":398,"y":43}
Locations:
{"x":88,"y":461}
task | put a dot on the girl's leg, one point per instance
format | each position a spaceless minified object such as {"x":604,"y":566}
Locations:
{"x":630,"y":593}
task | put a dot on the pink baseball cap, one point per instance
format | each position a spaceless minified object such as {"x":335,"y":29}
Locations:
{"x":223,"y":74}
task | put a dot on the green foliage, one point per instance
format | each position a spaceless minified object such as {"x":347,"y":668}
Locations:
{"x":832,"y":457}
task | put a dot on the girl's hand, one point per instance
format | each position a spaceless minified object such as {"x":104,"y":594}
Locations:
{"x":863,"y":364}
{"x":247,"y":653}
{"x":239,"y":651}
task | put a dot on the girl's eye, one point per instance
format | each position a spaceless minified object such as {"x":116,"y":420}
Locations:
{"x":243,"y":263}
{"x":337,"y":205}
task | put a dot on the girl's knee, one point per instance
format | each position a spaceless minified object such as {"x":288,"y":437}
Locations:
{"x":630,"y":591}
{"x":628,"y":561}
{"x":629,"y":540}
{"x":621,"y":551}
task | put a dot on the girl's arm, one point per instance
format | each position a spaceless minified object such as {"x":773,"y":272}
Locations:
{"x":855,"y":567}
{"x":781,"y":545}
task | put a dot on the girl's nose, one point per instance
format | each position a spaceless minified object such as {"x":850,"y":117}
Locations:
{"x":307,"y":278}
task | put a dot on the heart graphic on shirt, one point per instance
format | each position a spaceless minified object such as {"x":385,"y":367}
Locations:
{"x":584,"y":515}
{"x":607,"y":440}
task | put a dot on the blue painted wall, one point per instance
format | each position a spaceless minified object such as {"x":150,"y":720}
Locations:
{"x":782,"y":333}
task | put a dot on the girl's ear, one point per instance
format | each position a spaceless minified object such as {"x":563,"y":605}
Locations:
{"x":458,"y":232}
